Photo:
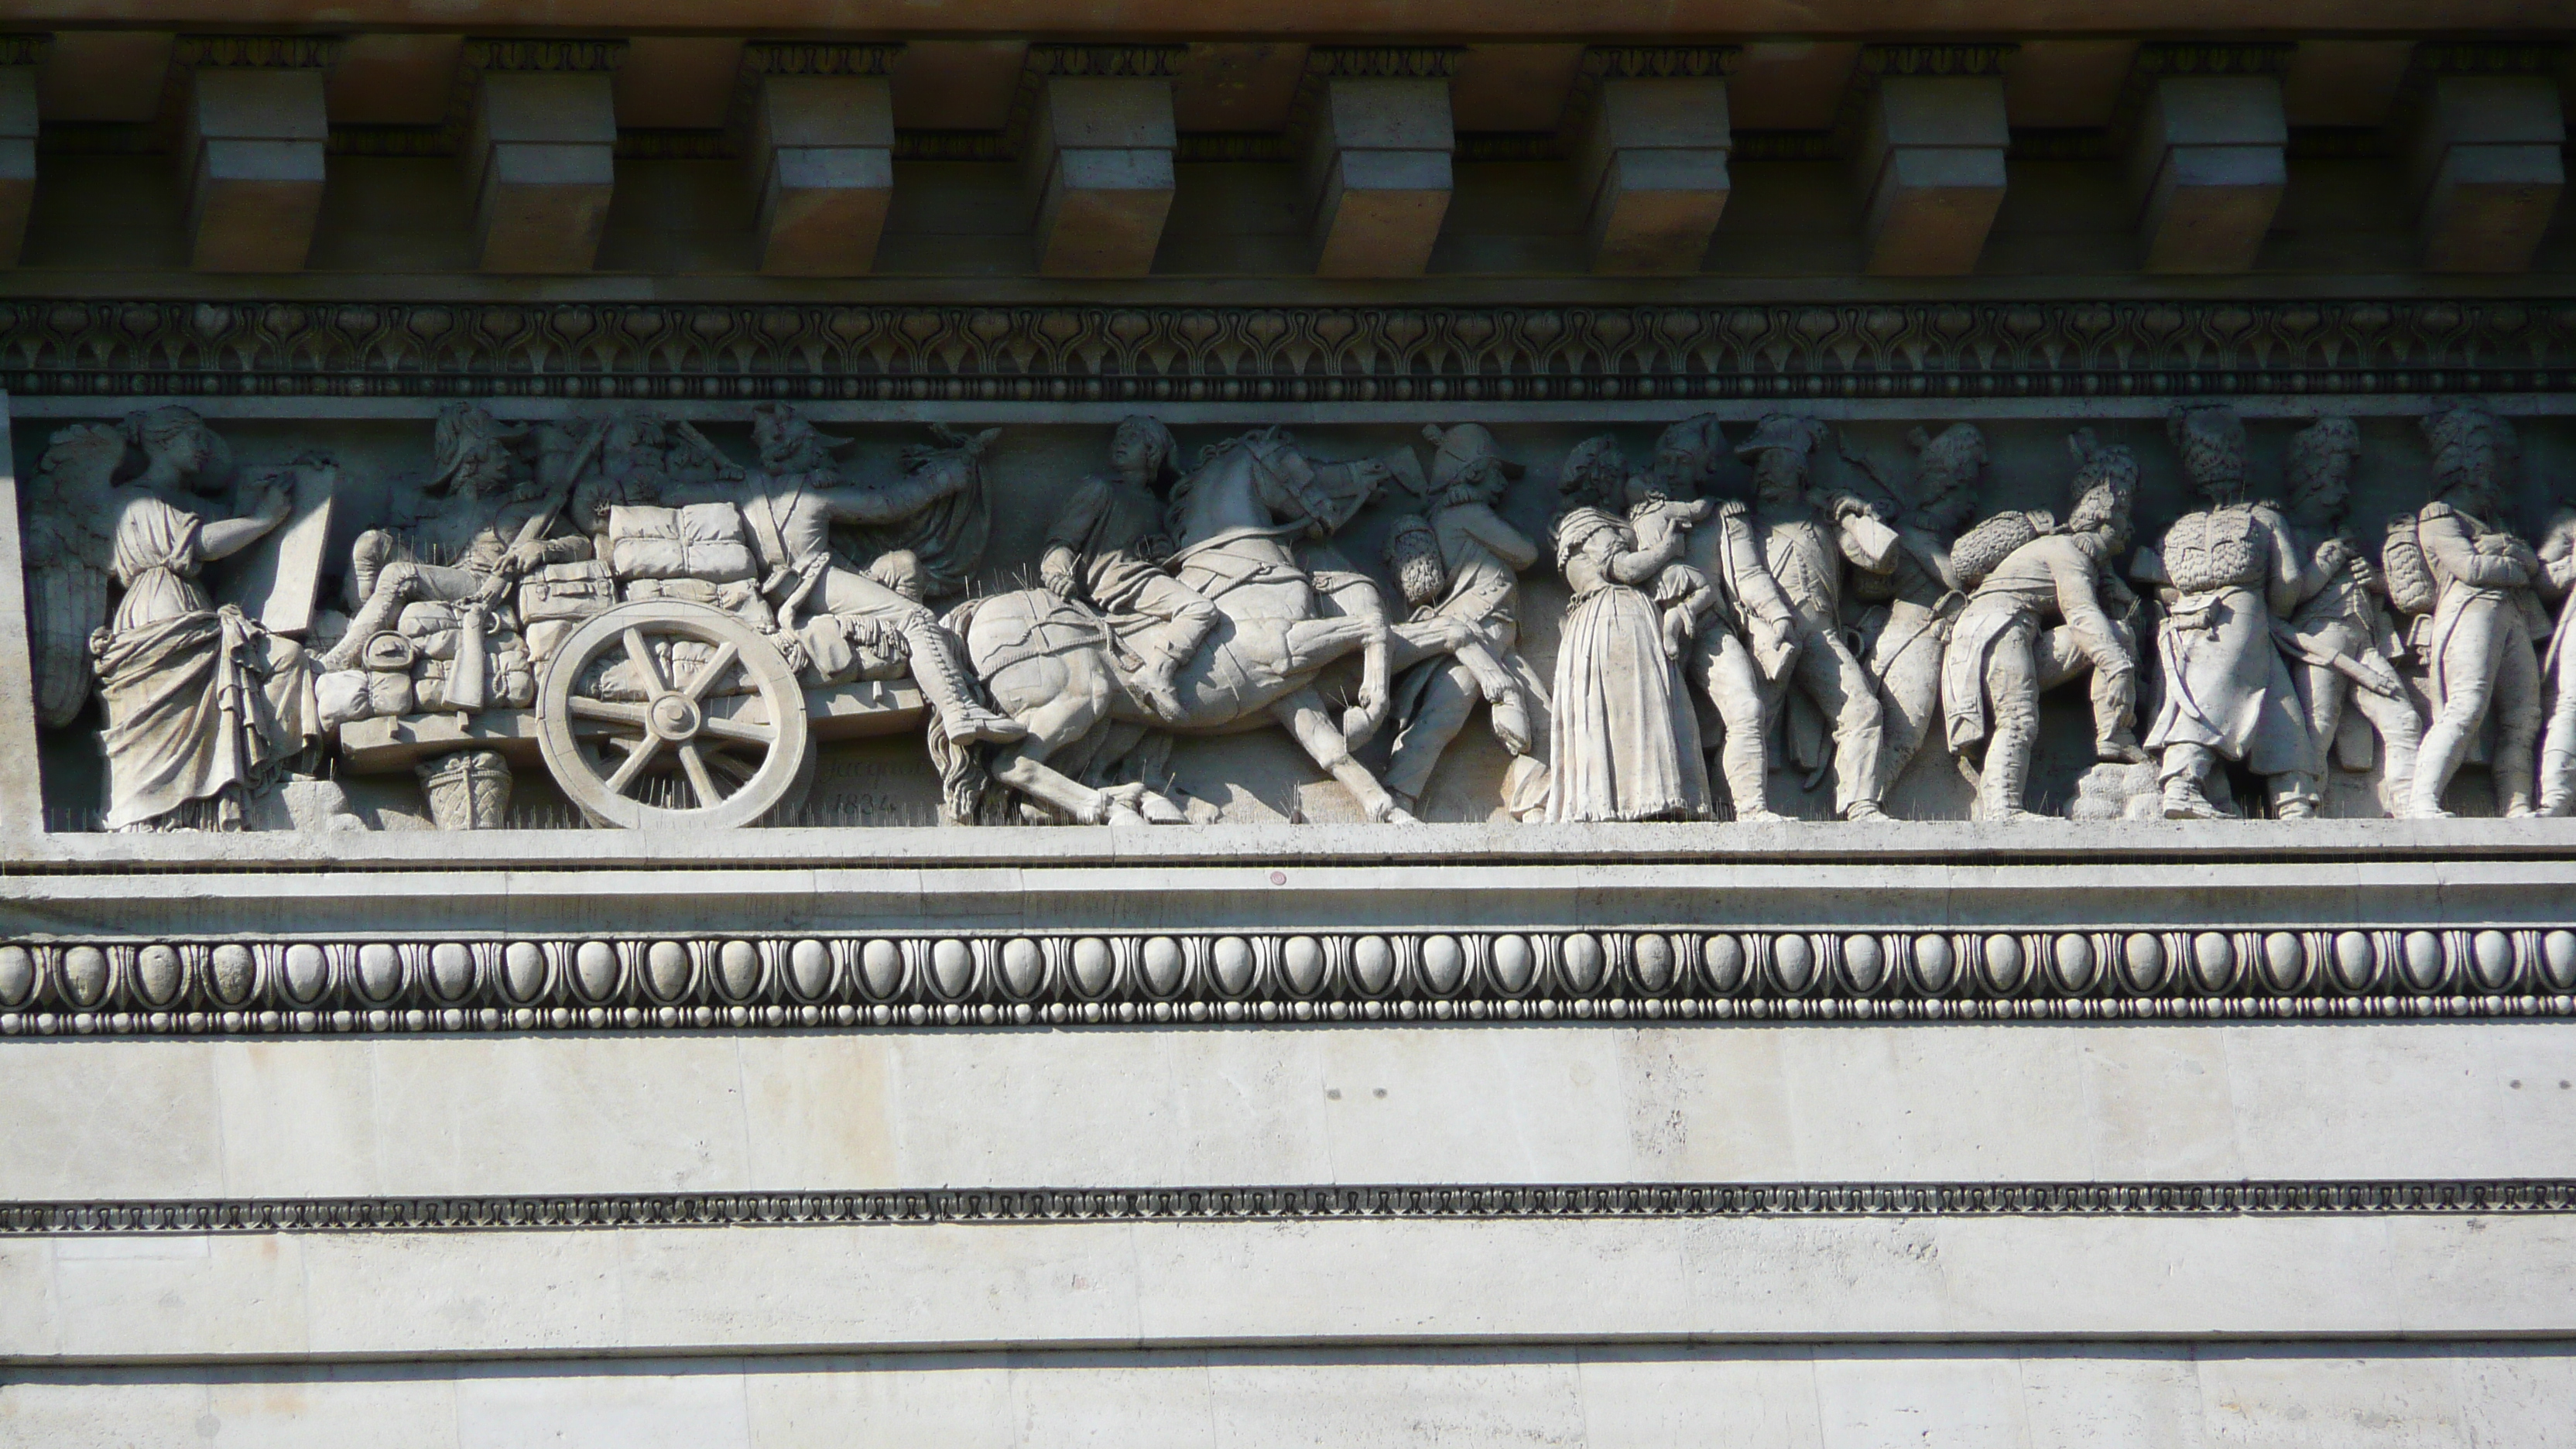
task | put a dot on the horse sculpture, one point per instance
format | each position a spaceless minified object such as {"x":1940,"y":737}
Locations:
{"x":1049,"y":662}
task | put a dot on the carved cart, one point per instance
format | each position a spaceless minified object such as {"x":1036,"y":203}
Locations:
{"x":654,"y":712}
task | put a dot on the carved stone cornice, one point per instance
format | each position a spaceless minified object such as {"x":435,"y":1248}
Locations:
{"x":543,"y":54}
{"x":2213,"y":58}
{"x":1112,"y":62}
{"x":1659,"y":62}
{"x":820,"y":57}
{"x":262,"y":52}
{"x":952,"y":1206}
{"x":1384,"y":62}
{"x":1603,"y":63}
{"x":1785,"y":352}
{"x":1954,"y":58}
{"x":2489,"y":57}
{"x":182,"y":987}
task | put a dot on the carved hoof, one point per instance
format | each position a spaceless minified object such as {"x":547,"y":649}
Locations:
{"x":1868,"y":810}
{"x":1394,"y":814}
{"x":1762,"y":817}
{"x":1357,"y":726}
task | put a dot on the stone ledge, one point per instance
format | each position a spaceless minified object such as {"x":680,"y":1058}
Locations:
{"x":2114,"y":1395}
{"x":751,"y":1114}
{"x":1819,"y":842}
{"x":323,"y":1297}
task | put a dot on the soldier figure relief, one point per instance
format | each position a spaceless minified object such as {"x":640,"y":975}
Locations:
{"x":673,"y":624}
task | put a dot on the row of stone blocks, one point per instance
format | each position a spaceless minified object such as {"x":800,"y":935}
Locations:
{"x":1437,"y":976}
{"x":2206,"y":170}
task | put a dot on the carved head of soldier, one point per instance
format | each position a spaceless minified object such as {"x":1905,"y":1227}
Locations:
{"x":1684,"y":455}
{"x":1142,"y":450}
{"x":2104,"y":488}
{"x":1595,"y":475}
{"x":1781,"y":450}
{"x":1947,"y":466}
{"x":474,"y":453}
{"x":179,"y":450}
{"x":1467,"y":465}
{"x":2474,"y":453}
{"x":2211,"y":439}
{"x":789,"y":445}
{"x":2322,"y":458}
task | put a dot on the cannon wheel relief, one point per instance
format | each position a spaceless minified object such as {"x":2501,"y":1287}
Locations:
{"x":606,"y":752}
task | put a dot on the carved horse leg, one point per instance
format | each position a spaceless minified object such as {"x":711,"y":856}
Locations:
{"x":1311,"y":721}
{"x":1059,"y":717}
{"x":1353,"y":597}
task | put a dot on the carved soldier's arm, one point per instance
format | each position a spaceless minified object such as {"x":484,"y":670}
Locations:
{"x":891,"y":502}
{"x":2452,"y":548}
{"x":2295,"y":573}
{"x":1509,"y":544}
{"x":2080,"y":604}
{"x":2557,"y":557}
{"x":1063,"y":556}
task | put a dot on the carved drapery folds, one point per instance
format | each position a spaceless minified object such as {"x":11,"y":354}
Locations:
{"x":1762,"y":618}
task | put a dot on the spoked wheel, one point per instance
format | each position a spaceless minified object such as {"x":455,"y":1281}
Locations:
{"x":730,"y":735}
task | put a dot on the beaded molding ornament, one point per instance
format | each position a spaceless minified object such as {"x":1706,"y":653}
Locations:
{"x":601,"y":983}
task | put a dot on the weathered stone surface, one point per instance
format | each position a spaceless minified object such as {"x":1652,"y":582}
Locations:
{"x":17,"y":157}
{"x":1376,"y":175}
{"x":1931,"y":172}
{"x":1362,"y":1104}
{"x":251,"y":163}
{"x":2128,"y":1395}
{"x":821,"y":161}
{"x":1652,"y":165}
{"x":540,"y":163}
{"x":2206,"y":171}
{"x":2486,"y":167}
{"x":1100,"y":175}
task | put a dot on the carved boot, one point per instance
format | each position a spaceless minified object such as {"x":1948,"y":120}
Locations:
{"x":944,"y":678}
{"x":2294,"y":797}
{"x":1747,"y":787}
{"x":2005,"y":777}
{"x":2557,"y":783}
{"x":2119,"y":747}
{"x":2186,"y":792}
{"x":385,"y":599}
{"x":1163,"y":652}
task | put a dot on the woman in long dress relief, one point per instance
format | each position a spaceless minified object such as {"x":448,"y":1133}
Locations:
{"x":203,"y":704}
{"x":1626,"y":740}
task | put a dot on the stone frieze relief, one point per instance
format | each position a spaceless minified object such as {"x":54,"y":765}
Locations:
{"x":602,"y":983}
{"x":680,"y":623}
